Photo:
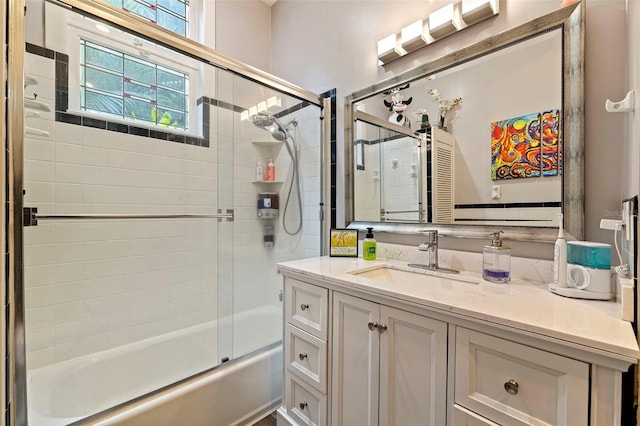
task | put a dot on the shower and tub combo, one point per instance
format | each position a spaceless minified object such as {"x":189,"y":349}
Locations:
{"x":149,"y":296}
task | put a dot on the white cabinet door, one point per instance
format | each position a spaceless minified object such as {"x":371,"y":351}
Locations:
{"x":355,"y":362}
{"x":413,"y":369}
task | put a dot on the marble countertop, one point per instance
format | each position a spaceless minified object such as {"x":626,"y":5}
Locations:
{"x":520,"y":305}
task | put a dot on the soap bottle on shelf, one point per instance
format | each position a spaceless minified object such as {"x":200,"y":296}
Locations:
{"x":271,"y":171}
{"x":259,"y":172}
{"x":369,"y":246}
{"x":496,"y":261}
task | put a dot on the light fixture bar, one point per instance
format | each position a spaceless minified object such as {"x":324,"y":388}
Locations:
{"x":413,"y":36}
{"x":389,"y":49}
{"x":474,"y":11}
{"x":442,"y":22}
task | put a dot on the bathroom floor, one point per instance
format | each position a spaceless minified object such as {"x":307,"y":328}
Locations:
{"x":269,"y":420}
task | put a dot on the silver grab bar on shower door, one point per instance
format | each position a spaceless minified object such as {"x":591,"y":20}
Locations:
{"x":31,"y":216}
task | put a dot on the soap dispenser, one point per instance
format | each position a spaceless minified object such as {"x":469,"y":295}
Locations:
{"x":369,"y":246}
{"x":496,"y":260}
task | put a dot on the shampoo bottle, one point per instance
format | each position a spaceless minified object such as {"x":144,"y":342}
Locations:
{"x":560,"y":257}
{"x":369,"y":246}
{"x":496,"y":261}
{"x":271,"y":171}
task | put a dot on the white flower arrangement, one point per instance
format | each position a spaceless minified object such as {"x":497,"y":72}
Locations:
{"x":422,"y":114}
{"x":445,"y":105}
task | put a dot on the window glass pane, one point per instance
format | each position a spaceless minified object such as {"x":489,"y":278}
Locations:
{"x":103,"y":58}
{"x":104,"y":81}
{"x":141,"y":110}
{"x":140,"y":91}
{"x":176,"y":6}
{"x":171,"y":119}
{"x":104,"y":103}
{"x":140,"y":9}
{"x":171,"y":99}
{"x":116,"y":3}
{"x":140,"y":71}
{"x":118,"y":83}
{"x":171,"y":80}
{"x":172,"y":22}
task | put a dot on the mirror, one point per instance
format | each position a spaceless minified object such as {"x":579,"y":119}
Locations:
{"x":517,"y":138}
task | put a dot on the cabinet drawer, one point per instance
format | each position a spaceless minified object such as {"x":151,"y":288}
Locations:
{"x":464,"y":417}
{"x":306,"y":307}
{"x":514,"y":384}
{"x":304,"y":404}
{"x":306,"y":356}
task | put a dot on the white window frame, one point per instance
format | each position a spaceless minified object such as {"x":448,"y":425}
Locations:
{"x":65,"y":37}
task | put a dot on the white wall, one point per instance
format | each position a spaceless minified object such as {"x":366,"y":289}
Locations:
{"x":243,"y":31}
{"x":339,"y":50}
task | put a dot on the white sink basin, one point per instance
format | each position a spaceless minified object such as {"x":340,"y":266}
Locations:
{"x":394,"y":274}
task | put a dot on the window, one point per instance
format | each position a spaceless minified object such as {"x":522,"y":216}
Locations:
{"x":128,"y":86}
{"x":169,"y":14}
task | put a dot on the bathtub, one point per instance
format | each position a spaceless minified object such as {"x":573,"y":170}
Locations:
{"x":235,"y":392}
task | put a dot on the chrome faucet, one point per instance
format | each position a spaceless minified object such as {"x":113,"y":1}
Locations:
{"x":431,"y":247}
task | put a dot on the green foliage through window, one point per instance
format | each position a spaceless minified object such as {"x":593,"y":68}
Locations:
{"x":117,"y":83}
{"x":169,"y":14}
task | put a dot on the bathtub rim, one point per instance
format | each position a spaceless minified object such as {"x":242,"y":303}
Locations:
{"x":127,"y":408}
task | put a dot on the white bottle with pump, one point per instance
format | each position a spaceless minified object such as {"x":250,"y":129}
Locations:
{"x":560,"y":258}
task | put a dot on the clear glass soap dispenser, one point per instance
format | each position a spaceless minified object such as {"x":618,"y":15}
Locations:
{"x":496,"y":260}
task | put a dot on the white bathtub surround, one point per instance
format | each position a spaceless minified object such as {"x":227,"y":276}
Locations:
{"x":71,"y":390}
{"x":461,"y":346}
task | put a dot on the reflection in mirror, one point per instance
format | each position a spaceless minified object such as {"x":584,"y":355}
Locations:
{"x":387,"y":176}
{"x":517,"y":130}
{"x":499,"y":178}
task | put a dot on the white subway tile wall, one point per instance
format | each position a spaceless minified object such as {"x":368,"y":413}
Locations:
{"x":94,"y":285}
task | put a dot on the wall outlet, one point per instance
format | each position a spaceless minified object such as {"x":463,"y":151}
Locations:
{"x":495,"y":192}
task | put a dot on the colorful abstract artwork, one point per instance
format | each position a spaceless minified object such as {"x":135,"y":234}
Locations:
{"x":526,"y":146}
{"x":551,"y":148}
{"x":515,"y":147}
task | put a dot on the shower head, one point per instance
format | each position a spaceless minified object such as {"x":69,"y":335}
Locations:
{"x":270,"y":124}
{"x":262,"y":120}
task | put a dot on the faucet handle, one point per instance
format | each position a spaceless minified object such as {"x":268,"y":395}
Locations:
{"x":431,"y":235}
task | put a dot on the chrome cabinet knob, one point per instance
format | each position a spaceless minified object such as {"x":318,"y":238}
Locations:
{"x":372,"y":325}
{"x":303,"y":405}
{"x":382,"y":328}
{"x":302,"y":356}
{"x":511,"y":387}
{"x":304,"y":306}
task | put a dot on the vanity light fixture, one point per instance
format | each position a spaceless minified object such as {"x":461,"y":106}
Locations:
{"x":389,"y":49}
{"x":477,"y":10}
{"x":413,"y":36}
{"x":443,"y":21}
{"x":455,"y":16}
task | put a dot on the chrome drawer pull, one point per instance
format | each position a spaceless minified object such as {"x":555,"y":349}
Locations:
{"x":303,"y":405}
{"x":511,"y":387}
{"x":372,"y":325}
{"x":304,"y":306}
{"x":302,"y":356}
{"x":382,"y":328}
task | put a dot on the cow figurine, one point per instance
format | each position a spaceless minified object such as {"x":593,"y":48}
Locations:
{"x":398,"y":105}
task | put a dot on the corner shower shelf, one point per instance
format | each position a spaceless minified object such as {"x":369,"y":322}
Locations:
{"x":268,"y":183}
{"x":267,"y":149}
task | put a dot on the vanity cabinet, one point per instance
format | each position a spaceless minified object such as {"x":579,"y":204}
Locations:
{"x":389,"y":365}
{"x":514,"y":384}
{"x":358,"y":354}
